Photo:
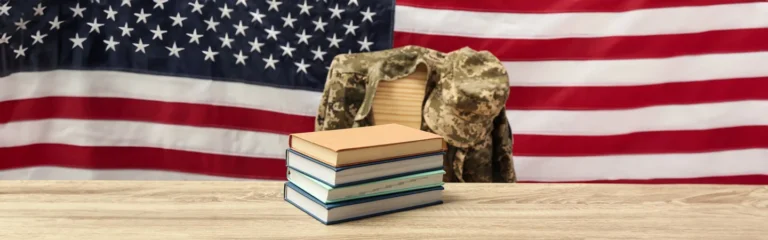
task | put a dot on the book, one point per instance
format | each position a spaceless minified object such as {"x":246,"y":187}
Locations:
{"x":352,"y":146}
{"x":362,"y":173}
{"x":328,"y":194}
{"x":333,"y":213}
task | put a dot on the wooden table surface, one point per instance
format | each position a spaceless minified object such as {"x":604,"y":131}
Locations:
{"x":85,"y":210}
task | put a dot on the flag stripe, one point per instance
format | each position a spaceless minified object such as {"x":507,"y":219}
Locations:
{"x":119,"y":133}
{"x":69,"y":173}
{"x":599,"y":48}
{"x":627,"y":97}
{"x":756,"y":179}
{"x":582,"y":25}
{"x":560,"y":6}
{"x":535,"y":122}
{"x":678,"y":141}
{"x":148,"y":158}
{"x":157,"y":88}
{"x":642,"y":167}
{"x":636,"y":71}
{"x":199,"y":115}
{"x":213,"y":140}
{"x":657,"y":118}
{"x":304,"y":103}
{"x":660,"y":118}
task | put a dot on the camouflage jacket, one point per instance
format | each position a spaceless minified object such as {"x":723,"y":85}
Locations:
{"x":465,"y":97}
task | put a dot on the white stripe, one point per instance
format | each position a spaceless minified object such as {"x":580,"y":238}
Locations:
{"x":64,"y":173}
{"x":636,"y":71}
{"x":158,"y":88}
{"x":658,"y":118}
{"x":142,"y":134}
{"x":563,"y":25}
{"x":726,"y":163}
{"x":539,"y":73}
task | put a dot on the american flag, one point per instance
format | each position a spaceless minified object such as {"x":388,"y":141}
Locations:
{"x":165,"y":88}
{"x":648,"y":91}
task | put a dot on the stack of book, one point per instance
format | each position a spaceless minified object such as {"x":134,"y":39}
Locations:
{"x":348,"y":174}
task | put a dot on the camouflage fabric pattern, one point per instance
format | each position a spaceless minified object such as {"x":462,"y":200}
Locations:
{"x":465,"y":97}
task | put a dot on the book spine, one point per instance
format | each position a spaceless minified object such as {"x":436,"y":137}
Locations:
{"x":287,"y":169}
{"x":286,"y":156}
{"x":290,"y":140}
{"x":285,"y":190}
{"x":445,"y":146}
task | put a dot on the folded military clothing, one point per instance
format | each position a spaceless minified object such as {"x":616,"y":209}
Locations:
{"x":464,"y":102}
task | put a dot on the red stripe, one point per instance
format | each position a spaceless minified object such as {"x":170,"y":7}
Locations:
{"x":141,"y":158}
{"x":626,"y":97}
{"x":742,"y":179}
{"x":659,"y":142}
{"x":100,"y":108}
{"x":560,"y":6}
{"x":615,"y":47}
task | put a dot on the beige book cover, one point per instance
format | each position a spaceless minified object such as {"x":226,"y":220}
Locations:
{"x":343,"y":147}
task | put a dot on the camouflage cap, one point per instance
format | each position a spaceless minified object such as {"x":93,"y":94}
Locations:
{"x":472,"y":89}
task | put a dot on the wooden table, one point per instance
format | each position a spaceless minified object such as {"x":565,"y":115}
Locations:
{"x":84,"y":210}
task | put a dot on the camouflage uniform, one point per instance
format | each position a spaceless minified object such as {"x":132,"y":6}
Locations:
{"x":465,"y":98}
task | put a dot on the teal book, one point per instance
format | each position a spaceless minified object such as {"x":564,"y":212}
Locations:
{"x":356,"y":209}
{"x":328,"y":194}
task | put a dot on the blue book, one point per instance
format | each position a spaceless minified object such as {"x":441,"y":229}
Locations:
{"x":339,"y":212}
{"x":363,"y":173}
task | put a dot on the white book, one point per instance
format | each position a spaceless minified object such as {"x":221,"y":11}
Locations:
{"x":363,"y":173}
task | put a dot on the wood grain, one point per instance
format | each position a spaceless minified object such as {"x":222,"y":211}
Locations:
{"x":255,"y":210}
{"x":399,"y":101}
